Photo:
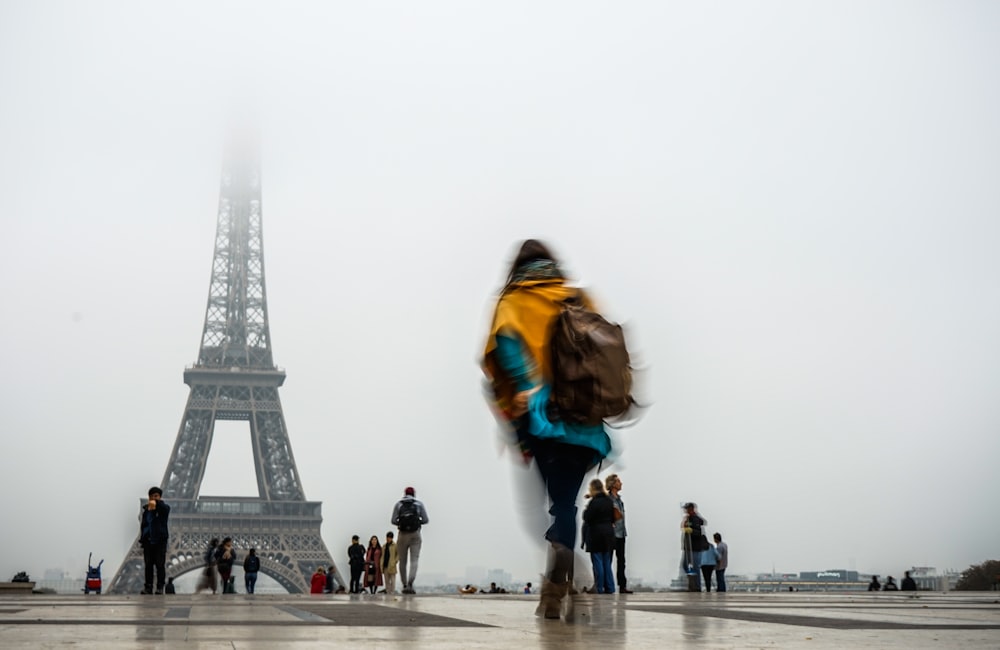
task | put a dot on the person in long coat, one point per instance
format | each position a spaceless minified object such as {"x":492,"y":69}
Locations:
{"x":390,"y":559}
{"x":225,"y":558}
{"x":373,"y":565}
{"x":599,"y":536}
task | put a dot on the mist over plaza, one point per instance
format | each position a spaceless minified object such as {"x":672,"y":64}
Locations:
{"x":791,"y":206}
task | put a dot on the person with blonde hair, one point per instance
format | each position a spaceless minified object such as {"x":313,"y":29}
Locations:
{"x":225,"y":558}
{"x":318,"y":582}
{"x":599,"y":536}
{"x":613,"y":484}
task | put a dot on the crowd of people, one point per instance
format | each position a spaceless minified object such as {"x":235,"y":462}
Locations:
{"x":220,"y":557}
{"x":702,"y":558}
{"x":559,"y":426}
{"x":374,"y":566}
{"x":908,"y":584}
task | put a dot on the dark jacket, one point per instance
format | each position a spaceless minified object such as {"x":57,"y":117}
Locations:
{"x":225,"y":565}
{"x":153,"y":524}
{"x":697,"y":539}
{"x":356,"y":555}
{"x":251,"y":564}
{"x":599,"y":525}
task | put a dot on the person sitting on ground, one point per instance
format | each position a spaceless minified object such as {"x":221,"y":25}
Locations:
{"x":874,"y":585}
{"x":909,"y":584}
{"x":890,"y":584}
{"x":318,"y":581}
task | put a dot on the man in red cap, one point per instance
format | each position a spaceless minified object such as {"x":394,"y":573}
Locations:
{"x":409,"y":515}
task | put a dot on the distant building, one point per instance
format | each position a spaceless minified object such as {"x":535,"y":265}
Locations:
{"x":928,"y":578}
{"x":835,"y":575}
{"x":56,"y":574}
{"x":433,"y":579}
{"x":475,"y":575}
{"x":63,"y":586}
{"x":499,"y":576}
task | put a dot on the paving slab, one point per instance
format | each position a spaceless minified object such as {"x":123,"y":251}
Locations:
{"x":649,"y":620}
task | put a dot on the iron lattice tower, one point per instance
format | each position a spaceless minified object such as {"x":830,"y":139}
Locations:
{"x":235,"y":379}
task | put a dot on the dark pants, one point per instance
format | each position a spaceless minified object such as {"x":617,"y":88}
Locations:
{"x":356,"y":571}
{"x":155,"y":557}
{"x":562,"y":468}
{"x":250,"y":580}
{"x":720,"y":579}
{"x":620,"y":563}
{"x":706,"y":572}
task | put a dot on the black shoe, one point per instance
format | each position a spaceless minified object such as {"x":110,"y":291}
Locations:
{"x":623,"y":590}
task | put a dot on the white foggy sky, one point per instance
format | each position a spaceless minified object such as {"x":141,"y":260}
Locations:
{"x":794,"y":206}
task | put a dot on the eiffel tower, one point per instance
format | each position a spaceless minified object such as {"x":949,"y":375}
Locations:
{"x":235,"y":379}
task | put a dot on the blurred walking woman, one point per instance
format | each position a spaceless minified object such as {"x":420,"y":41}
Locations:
{"x":209,"y":579}
{"x":517,"y":365}
{"x":225,"y":558}
{"x":599,"y":536}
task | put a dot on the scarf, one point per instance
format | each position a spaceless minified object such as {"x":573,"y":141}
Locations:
{"x":536,"y":270}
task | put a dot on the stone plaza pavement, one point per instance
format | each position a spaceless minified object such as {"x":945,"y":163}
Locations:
{"x":651,"y":620}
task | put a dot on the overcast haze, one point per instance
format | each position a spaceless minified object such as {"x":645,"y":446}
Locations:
{"x":794,"y":206}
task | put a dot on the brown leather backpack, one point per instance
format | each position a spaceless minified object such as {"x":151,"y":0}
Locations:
{"x":591,"y":370}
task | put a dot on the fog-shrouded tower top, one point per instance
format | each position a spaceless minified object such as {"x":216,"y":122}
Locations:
{"x":236,"y":332}
{"x":235,"y":378}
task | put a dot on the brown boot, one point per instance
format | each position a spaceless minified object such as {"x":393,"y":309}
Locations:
{"x":550,"y":604}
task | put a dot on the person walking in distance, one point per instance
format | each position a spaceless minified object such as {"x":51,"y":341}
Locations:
{"x":518,"y":364}
{"x":695,"y":542}
{"x":409,"y":515}
{"x":613,"y":484}
{"x":209,"y":575}
{"x":154,"y":535}
{"x":721,"y":563}
{"x":225,"y":557}
{"x":251,"y":565}
{"x":390,"y":558}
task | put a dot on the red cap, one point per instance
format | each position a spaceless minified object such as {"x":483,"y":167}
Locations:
{"x":409,"y":491}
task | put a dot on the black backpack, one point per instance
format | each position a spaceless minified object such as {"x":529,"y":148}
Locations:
{"x":409,"y":517}
{"x":591,"y":369}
